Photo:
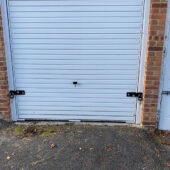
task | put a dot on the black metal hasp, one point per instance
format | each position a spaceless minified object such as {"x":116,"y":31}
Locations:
{"x":166,"y":92}
{"x":13,"y":93}
{"x":135,"y":94}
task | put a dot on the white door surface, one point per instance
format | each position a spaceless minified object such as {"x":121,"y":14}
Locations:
{"x":94,"y":43}
{"x":165,"y":102}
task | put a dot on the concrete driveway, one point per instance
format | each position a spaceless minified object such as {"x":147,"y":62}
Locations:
{"x":82,"y":147}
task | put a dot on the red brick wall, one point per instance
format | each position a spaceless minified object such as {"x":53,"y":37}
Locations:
{"x":153,"y":61}
{"x":4,"y":99}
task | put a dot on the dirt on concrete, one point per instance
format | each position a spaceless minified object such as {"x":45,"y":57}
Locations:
{"x":82,"y":147}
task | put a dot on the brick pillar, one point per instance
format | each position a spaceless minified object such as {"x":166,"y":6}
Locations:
{"x":153,"y":61}
{"x":4,"y":99}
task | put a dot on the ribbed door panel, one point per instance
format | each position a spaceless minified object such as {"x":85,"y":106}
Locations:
{"x":96,"y":43}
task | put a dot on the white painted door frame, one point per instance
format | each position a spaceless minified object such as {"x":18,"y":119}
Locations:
{"x":164,"y":57}
{"x":143,"y":57}
{"x":11,"y":79}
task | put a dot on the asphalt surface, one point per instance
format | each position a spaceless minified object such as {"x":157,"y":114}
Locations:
{"x":80,"y":147}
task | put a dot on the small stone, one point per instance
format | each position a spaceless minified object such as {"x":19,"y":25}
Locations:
{"x":91,"y":149}
{"x":8,"y":158}
{"x":52,"y":145}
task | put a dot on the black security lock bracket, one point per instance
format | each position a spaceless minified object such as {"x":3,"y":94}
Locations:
{"x":134,"y":94}
{"x":13,"y":93}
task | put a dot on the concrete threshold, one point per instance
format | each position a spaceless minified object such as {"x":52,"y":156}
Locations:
{"x":42,"y":123}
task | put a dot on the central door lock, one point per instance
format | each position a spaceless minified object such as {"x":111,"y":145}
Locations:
{"x":75,"y":83}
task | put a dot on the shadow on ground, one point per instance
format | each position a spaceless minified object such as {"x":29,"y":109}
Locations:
{"x":82,"y":147}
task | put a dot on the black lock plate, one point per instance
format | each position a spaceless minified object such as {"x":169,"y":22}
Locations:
{"x":12,"y":93}
{"x":134,"y":94}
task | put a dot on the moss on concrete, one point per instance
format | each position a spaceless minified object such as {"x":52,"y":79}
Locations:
{"x":43,"y":131}
{"x":19,"y":130}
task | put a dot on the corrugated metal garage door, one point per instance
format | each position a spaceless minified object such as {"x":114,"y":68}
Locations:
{"x":96,"y":43}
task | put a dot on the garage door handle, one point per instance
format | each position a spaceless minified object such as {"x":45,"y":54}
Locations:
{"x":75,"y":83}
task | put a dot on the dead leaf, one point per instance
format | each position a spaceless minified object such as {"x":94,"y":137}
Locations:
{"x":102,"y":159}
{"x":91,"y":149}
{"x":167,"y":144}
{"x":8,"y":158}
{"x":156,"y":150}
{"x":41,"y":160}
{"x":52,"y":146}
{"x":168,"y":164}
{"x":35,"y":130}
{"x":166,"y":132}
{"x":37,"y":162}
{"x":108,"y":148}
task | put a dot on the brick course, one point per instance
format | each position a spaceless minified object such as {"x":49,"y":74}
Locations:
{"x":4,"y":99}
{"x":153,"y":61}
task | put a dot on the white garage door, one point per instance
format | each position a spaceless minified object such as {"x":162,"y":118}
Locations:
{"x":92,"y":42}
